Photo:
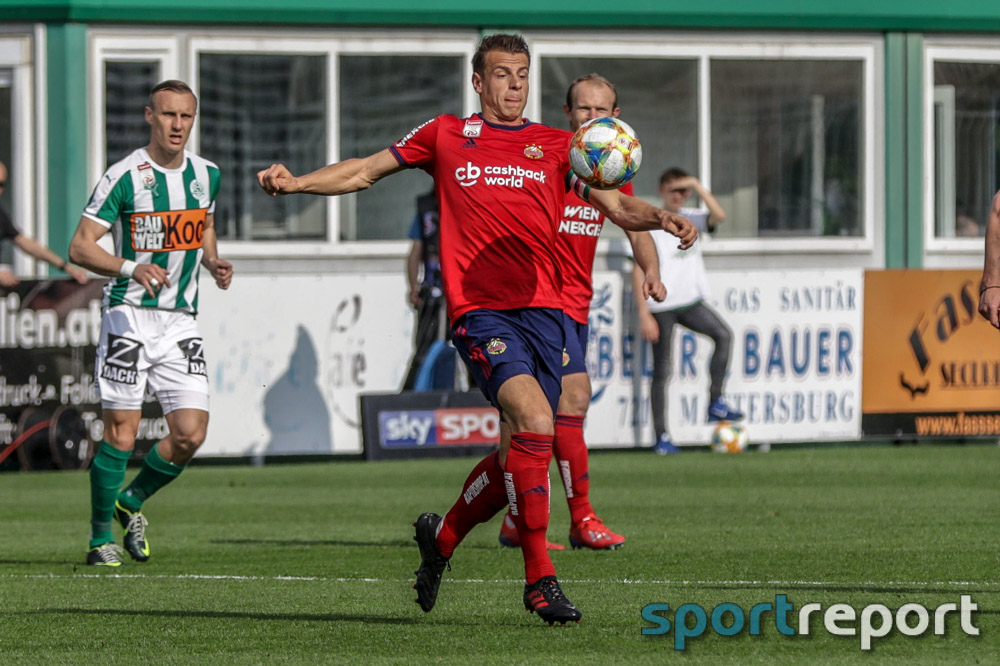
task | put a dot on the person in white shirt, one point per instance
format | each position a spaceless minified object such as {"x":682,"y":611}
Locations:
{"x":683,"y":272}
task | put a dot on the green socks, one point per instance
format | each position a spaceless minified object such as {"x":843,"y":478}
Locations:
{"x":107,"y":472}
{"x":155,"y":473}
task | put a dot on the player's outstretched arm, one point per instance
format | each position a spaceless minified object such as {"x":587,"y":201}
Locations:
{"x":646,"y":258}
{"x":341,"y":178}
{"x":634,"y":214}
{"x":989,"y":287}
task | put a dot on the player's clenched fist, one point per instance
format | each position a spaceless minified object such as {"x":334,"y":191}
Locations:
{"x":277,"y":179}
{"x":681,"y":227}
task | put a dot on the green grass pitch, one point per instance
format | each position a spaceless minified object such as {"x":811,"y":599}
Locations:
{"x":304,"y":564}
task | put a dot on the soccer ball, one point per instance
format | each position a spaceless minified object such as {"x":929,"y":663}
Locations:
{"x":605,"y":153}
{"x":729,"y":437}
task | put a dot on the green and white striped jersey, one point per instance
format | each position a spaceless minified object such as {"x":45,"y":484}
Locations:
{"x":156,"y":216}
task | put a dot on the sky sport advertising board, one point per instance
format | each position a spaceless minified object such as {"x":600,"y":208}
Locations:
{"x":428,"y":424}
{"x":932,"y":364}
{"x":795,"y":368}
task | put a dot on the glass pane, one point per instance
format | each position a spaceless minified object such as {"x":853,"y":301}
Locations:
{"x":126,"y":93}
{"x":256,"y":110}
{"x":787,"y":147}
{"x":657,"y":97}
{"x":966,"y":119}
{"x":381,"y":99}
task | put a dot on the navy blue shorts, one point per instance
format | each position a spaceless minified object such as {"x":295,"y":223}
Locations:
{"x":575,"y":353}
{"x":500,"y":344}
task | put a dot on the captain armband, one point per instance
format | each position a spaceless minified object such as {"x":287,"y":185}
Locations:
{"x":581,"y":188}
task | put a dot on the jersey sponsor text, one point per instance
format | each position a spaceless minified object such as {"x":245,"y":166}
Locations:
{"x":509,"y":175}
{"x":168,"y":231}
{"x":576,"y":228}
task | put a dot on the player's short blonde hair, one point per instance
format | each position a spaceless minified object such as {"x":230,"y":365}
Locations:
{"x":590,"y":77}
{"x":172,"y":85}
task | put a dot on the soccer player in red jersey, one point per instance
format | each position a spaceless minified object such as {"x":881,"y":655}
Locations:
{"x":588,"y":97}
{"x":500,"y":181}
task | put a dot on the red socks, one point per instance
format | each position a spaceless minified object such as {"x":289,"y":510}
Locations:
{"x":571,"y":458}
{"x":526,"y":479}
{"x":483,"y":496}
{"x":523,"y":485}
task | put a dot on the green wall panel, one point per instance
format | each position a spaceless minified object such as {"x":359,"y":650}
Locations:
{"x":914,"y":151}
{"x":891,"y":15}
{"x":67,"y":130}
{"x":895,"y":150}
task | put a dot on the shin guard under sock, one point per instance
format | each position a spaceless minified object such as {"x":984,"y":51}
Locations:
{"x":483,"y":496}
{"x":155,"y":473}
{"x":570,"y":451}
{"x":107,"y":471}
{"x":526,"y":478}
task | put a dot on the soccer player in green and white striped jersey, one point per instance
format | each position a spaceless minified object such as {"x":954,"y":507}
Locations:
{"x":159,"y":205}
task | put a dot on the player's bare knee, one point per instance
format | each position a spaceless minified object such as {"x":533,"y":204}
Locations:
{"x":120,"y":438}
{"x":538,"y":421}
{"x":574,"y":402}
{"x":186,"y":443}
{"x":120,"y":432}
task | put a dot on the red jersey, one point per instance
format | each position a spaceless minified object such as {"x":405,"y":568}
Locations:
{"x":579,"y":229}
{"x":500,"y":190}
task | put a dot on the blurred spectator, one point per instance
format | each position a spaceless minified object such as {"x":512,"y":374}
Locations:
{"x":9,"y":231}
{"x":683,"y":271}
{"x":423,"y":276}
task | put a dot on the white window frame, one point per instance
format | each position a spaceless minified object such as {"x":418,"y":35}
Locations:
{"x":864,"y":48}
{"x":332,"y":46}
{"x":947,"y":50}
{"x":178,"y":49}
{"x":20,"y":52}
{"x":121,"y":47}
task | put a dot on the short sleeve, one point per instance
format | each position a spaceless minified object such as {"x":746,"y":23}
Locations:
{"x":8,"y":230}
{"x":214,"y":183}
{"x":108,"y":198}
{"x":417,"y":148}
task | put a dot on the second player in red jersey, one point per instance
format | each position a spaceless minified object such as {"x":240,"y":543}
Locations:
{"x":588,"y":97}
{"x":578,"y":232}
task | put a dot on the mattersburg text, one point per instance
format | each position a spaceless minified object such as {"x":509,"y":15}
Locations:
{"x":874,"y":621}
{"x":780,"y":407}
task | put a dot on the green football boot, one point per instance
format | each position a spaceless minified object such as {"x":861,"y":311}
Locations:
{"x":134,"y":525}
{"x":105,"y":555}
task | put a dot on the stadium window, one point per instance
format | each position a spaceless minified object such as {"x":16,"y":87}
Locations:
{"x":126,"y":86}
{"x":781,"y":128}
{"x":787,"y":146}
{"x":257,"y":109}
{"x":965,"y":133}
{"x":382,"y":97}
{"x":124,"y":67}
{"x":24,"y":193}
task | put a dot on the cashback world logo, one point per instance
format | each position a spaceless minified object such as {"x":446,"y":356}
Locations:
{"x":874,"y":621}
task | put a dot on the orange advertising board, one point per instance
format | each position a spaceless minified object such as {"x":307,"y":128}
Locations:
{"x":931,"y":364}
